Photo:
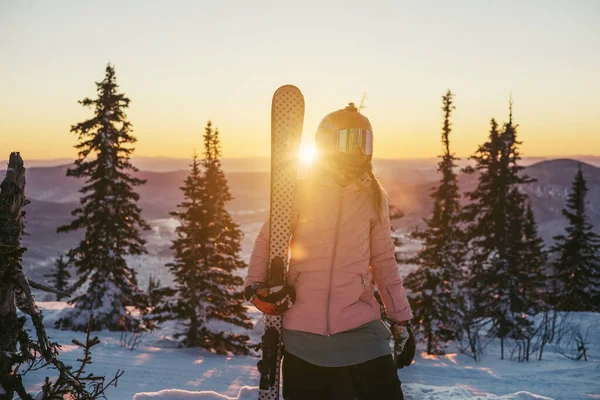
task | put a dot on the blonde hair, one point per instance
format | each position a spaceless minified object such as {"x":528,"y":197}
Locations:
{"x":379,"y":196}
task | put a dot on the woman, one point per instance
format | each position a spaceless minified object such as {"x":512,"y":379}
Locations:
{"x":336,"y":346}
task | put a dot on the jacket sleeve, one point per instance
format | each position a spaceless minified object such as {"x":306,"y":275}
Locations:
{"x":385,"y":269}
{"x":259,"y":260}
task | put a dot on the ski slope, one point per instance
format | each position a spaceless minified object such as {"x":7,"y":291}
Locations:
{"x":158,"y":369}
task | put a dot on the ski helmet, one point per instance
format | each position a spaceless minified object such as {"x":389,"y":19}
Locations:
{"x":346,"y":135}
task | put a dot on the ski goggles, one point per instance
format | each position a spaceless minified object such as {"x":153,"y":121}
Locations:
{"x":348,"y":140}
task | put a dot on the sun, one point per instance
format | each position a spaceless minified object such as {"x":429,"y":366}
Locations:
{"x":307,"y":154}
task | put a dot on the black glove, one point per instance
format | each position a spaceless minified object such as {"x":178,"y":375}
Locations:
{"x":271,"y":300}
{"x":404,"y":344}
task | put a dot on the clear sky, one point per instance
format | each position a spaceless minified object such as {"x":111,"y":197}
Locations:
{"x":183,"y":62}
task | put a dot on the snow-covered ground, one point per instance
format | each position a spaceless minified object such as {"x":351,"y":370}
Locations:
{"x":160,"y":370}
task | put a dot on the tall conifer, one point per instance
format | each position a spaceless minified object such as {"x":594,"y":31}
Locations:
{"x":206,"y":257}
{"x":108,"y":214}
{"x":577,"y":268}
{"x":434,"y":285}
{"x":496,"y":233}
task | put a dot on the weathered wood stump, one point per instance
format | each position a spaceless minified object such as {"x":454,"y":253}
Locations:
{"x":12,"y":203}
{"x":15,"y":290}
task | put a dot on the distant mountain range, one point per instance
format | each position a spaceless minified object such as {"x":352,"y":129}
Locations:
{"x":255,"y":164}
{"x":548,"y":194}
{"x":53,"y":195}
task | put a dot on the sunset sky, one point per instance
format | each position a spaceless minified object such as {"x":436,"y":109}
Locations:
{"x":184,"y":62}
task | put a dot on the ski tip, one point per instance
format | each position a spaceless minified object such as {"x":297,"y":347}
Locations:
{"x":286,"y":88}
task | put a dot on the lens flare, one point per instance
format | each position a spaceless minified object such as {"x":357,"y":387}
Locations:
{"x":307,"y":154}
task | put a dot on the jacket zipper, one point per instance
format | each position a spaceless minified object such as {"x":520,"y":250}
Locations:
{"x":335,"y":237}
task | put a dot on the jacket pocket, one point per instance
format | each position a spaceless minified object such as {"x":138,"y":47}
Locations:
{"x":296,"y":278}
{"x":367,"y":294}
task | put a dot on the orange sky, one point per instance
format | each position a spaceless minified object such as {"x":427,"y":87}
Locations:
{"x":182,"y":63}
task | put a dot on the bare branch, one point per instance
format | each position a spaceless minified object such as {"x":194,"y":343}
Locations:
{"x":48,"y":289}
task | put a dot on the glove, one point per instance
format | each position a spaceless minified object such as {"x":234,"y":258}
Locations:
{"x":404,"y":344}
{"x":271,"y":300}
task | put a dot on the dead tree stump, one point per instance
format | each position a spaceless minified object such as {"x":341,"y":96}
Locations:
{"x":12,"y":203}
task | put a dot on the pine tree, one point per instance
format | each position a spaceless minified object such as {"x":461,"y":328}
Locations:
{"x":496,"y":232}
{"x":225,"y":295}
{"x":577,"y":268}
{"x":59,"y":277}
{"x":527,"y":263}
{"x":479,"y":216}
{"x":206,"y":256}
{"x":154,"y":292}
{"x":534,"y":258}
{"x":434,"y":285}
{"x":186,"y":267}
{"x":108,"y":215}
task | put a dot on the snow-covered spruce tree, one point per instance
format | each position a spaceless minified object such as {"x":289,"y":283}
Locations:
{"x":525,"y":255}
{"x":495,"y":233}
{"x":577,"y":269}
{"x":435,"y":285}
{"x":479,"y":239}
{"x":183,"y":302}
{"x":225,"y":295}
{"x":59,"y":277}
{"x":206,"y":256}
{"x":533,"y":288}
{"x":527,"y":264}
{"x":534,"y":264}
{"x":108,"y":215}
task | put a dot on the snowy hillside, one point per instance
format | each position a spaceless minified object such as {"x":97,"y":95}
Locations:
{"x":158,"y":366}
{"x":549,"y":193}
{"x":53,"y":196}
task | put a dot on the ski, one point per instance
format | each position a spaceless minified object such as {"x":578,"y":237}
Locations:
{"x":287,"y":118}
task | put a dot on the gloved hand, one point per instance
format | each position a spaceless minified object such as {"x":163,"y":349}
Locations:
{"x":404,"y":344}
{"x":271,"y":300}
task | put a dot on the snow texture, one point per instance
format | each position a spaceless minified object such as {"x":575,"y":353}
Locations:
{"x":417,"y":391}
{"x":160,"y":369}
{"x":246,"y":393}
{"x":411,"y":391}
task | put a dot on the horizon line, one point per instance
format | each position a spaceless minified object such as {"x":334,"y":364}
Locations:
{"x":375,"y":158}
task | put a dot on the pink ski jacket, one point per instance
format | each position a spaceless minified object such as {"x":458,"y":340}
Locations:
{"x":338,"y":244}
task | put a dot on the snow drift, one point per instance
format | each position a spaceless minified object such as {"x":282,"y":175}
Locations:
{"x":411,"y":391}
{"x":246,"y":393}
